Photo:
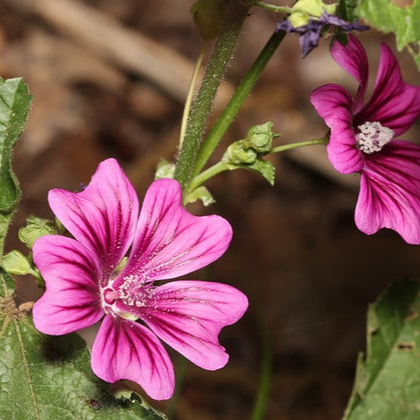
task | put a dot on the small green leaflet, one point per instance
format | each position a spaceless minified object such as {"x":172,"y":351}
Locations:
{"x":15,"y":102}
{"x":387,"y":385}
{"x":346,"y":10}
{"x":49,"y":378}
{"x":403,"y":21}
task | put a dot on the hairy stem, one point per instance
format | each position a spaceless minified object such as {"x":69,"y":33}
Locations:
{"x":231,"y":28}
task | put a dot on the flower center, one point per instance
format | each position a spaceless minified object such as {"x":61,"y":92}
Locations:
{"x":131,"y":294}
{"x":134,"y":292}
{"x":373,"y":137}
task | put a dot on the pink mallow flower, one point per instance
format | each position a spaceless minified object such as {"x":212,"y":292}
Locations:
{"x":88,"y":278}
{"x":363,"y":139}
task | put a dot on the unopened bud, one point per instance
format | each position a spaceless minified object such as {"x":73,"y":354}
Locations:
{"x":16,"y":263}
{"x":237,"y":154}
{"x":34,"y":229}
{"x":260,"y":138}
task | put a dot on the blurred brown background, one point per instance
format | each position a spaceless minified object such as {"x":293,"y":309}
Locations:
{"x":112,"y":84}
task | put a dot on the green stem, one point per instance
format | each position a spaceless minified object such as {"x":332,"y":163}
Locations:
{"x":271,"y":7}
{"x":237,"y":100}
{"x":265,"y":378}
{"x":285,"y":147}
{"x":207,"y":174}
{"x":224,"y":166}
{"x":235,"y":16}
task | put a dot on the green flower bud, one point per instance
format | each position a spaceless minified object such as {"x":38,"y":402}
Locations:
{"x":260,"y":138}
{"x":237,"y":154}
{"x":16,"y":263}
{"x":34,"y":229}
{"x":208,"y":17}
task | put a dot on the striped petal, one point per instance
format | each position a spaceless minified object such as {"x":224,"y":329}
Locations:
{"x":71,"y":301}
{"x":333,"y":103}
{"x":103,"y":216}
{"x":352,"y":58}
{"x":169,"y":241}
{"x":127,"y":350}
{"x":394,"y":103}
{"x":390,"y":192}
{"x":188,"y":315}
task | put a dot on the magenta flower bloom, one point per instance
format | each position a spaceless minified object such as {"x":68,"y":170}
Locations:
{"x":363,"y":139}
{"x":87,"y":279}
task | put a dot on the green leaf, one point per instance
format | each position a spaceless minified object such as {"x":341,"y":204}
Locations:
{"x":264,"y":168}
{"x":387,"y":385}
{"x":49,"y":378}
{"x":403,"y":21}
{"x":15,"y":102}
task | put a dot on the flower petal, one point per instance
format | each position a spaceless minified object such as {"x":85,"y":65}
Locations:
{"x":390,"y":192}
{"x":352,"y":58}
{"x":169,"y":241}
{"x":188,"y":315}
{"x":333,"y":104}
{"x":71,"y":300}
{"x":127,"y":350}
{"x":103,"y":216}
{"x":394,"y":103}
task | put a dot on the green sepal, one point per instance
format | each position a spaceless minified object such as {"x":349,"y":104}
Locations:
{"x":34,"y":229}
{"x":165,"y":169}
{"x":200,"y":193}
